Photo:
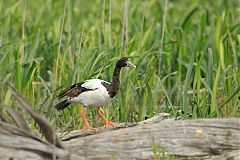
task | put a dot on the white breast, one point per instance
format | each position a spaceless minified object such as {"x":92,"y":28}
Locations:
{"x":97,"y":97}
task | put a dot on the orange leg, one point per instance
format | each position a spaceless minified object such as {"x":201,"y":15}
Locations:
{"x":106,"y":122}
{"x":87,"y":126}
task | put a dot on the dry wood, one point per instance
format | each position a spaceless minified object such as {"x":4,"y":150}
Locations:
{"x":18,"y":143}
{"x":82,"y":133}
{"x":17,"y":118}
{"x":202,"y":138}
{"x":47,"y":130}
{"x":187,"y":139}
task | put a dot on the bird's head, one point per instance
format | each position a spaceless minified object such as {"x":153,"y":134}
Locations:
{"x":124,"y":62}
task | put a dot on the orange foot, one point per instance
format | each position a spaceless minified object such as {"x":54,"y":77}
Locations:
{"x":108,"y":123}
{"x":89,"y":128}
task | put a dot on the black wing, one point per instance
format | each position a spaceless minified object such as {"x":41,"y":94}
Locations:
{"x":73,"y":91}
{"x":112,"y":89}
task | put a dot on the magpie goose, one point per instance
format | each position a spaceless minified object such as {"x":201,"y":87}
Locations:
{"x":94,"y":92}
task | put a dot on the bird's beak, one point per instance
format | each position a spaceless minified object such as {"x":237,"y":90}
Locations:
{"x":129,"y":64}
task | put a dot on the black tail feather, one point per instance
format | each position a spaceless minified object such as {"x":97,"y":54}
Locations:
{"x":62,"y":105}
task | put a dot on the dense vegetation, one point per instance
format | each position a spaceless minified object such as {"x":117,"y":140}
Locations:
{"x":186,"y":52}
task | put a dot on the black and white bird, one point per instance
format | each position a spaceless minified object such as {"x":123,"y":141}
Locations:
{"x":94,"y":92}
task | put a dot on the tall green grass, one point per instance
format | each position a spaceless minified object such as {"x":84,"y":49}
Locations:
{"x":186,"y":52}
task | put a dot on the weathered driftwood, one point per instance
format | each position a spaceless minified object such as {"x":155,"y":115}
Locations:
{"x":82,"y":133}
{"x":201,"y":138}
{"x":156,"y":137}
{"x":20,"y":144}
{"x":152,"y":138}
{"x":47,"y":130}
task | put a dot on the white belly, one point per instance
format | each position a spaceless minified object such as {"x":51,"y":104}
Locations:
{"x":98,"y":97}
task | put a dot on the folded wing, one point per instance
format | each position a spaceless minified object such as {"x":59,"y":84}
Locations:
{"x":74,"y":90}
{"x":78,"y":88}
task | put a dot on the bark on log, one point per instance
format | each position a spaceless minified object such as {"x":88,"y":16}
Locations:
{"x":187,"y":139}
{"x":18,"y":144}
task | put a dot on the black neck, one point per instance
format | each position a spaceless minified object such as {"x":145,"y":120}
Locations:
{"x":116,"y":75}
{"x":114,"y":86}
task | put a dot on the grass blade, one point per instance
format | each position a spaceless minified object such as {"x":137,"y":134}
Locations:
{"x":187,"y":83}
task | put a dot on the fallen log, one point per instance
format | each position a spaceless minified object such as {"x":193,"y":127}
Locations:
{"x":16,"y":143}
{"x":200,"y":139}
{"x":154,"y":138}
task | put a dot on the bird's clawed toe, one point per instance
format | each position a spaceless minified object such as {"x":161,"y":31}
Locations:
{"x":89,"y":128}
{"x":108,"y":123}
